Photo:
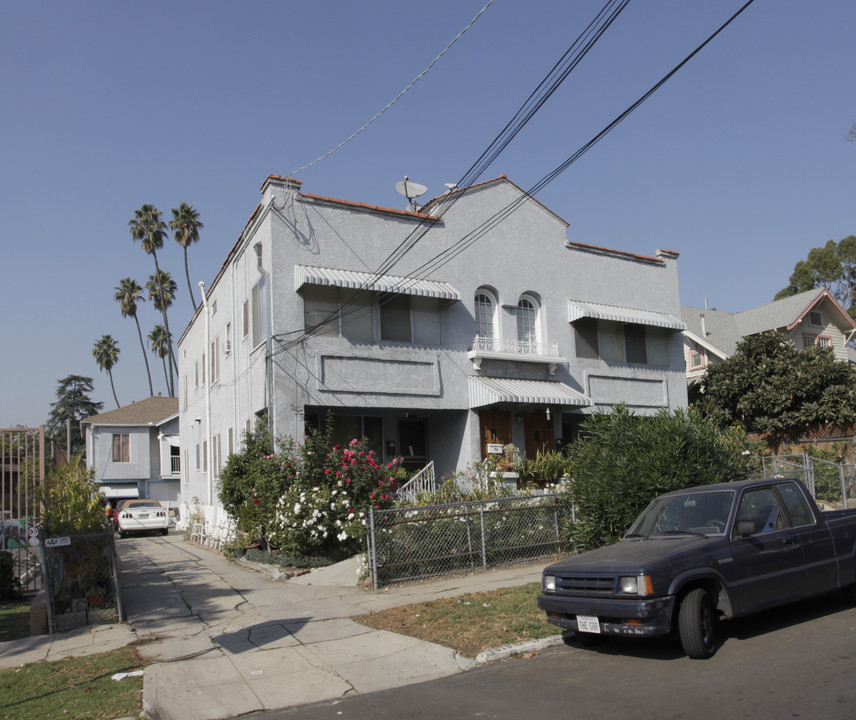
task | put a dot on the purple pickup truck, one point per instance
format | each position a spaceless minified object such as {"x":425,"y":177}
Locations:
{"x":698,"y":555}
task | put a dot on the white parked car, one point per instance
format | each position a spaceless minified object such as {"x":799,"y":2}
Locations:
{"x":142,"y":515}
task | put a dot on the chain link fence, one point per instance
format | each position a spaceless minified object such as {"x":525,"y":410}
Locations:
{"x":413,"y":543}
{"x":829,"y":482}
{"x":81,"y":580}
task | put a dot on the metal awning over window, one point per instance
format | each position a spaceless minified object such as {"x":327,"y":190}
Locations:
{"x":309,"y":275}
{"x":486,"y":391}
{"x":578,"y":310}
{"x":119,"y":491}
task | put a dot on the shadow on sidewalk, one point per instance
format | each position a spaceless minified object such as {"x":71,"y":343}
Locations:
{"x":261,"y":636}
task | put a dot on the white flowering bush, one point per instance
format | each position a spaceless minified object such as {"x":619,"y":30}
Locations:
{"x":307,"y":498}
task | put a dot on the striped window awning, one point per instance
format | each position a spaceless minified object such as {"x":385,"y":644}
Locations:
{"x":485,"y":391}
{"x":578,"y":310}
{"x":310,"y":275}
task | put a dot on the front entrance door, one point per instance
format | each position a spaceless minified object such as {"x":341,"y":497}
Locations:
{"x":413,"y":442}
{"x":495,"y":427}
{"x":538,"y":433}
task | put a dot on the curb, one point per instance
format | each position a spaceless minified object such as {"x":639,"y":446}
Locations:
{"x":503,"y":652}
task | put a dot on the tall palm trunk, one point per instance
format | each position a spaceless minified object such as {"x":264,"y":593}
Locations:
{"x":145,"y":356}
{"x":187,"y":275}
{"x":170,"y":382}
{"x":113,"y":388}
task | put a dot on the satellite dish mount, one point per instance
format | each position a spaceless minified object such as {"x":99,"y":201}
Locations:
{"x":411,"y":191}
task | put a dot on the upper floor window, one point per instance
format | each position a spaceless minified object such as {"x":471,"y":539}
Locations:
{"x":527,"y":320}
{"x":484,"y":311}
{"x":121,"y":448}
{"x":819,"y":340}
{"x":815,"y":318}
{"x":697,"y":359}
{"x":621,"y":342}
{"x":362,"y":316}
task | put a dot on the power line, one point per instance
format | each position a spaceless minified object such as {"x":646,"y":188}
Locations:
{"x":470,"y":238}
{"x":397,"y":97}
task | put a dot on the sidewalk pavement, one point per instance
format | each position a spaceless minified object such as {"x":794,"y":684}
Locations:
{"x":220,"y":639}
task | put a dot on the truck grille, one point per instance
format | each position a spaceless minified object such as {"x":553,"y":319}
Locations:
{"x":586,"y":585}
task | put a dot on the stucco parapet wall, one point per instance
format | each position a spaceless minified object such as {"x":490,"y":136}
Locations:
{"x":622,"y":254}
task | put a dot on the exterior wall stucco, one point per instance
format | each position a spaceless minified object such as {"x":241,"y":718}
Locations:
{"x":525,"y":254}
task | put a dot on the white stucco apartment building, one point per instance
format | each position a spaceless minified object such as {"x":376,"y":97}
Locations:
{"x":437,"y":333}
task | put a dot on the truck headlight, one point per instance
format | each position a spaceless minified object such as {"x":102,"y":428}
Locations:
{"x":636,"y":585}
{"x":548,"y":583}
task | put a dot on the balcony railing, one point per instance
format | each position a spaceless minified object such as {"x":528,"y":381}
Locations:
{"x":517,"y":347}
{"x":519,"y":350}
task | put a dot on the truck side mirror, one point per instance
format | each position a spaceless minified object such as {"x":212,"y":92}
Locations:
{"x":745,"y":527}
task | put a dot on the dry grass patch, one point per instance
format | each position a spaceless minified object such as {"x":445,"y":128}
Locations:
{"x":470,"y":623}
{"x":80,"y":688}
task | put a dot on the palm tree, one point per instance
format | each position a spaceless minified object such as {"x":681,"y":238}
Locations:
{"x":185,"y":226}
{"x":128,"y":294}
{"x":149,"y":228}
{"x":161,"y":288}
{"x":106,"y":354}
{"x":160,"y":341}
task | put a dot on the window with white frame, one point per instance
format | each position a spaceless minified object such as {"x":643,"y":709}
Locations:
{"x":484,"y":312}
{"x":697,"y":359}
{"x":819,"y":340}
{"x":121,"y":448}
{"x":527,"y":320}
{"x":214,"y":359}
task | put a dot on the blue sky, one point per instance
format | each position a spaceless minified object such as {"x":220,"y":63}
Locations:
{"x":739,"y":163}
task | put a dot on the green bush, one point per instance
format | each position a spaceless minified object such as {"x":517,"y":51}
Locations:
{"x":628,"y":460}
{"x":72,"y":502}
{"x":305,"y":499}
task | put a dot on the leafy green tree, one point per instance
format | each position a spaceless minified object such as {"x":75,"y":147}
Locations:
{"x":161,"y":288}
{"x":106,"y":354}
{"x":185,"y":225}
{"x":159,"y":339}
{"x":769,"y":387}
{"x":72,"y":405}
{"x":128,"y":294}
{"x":149,"y":229}
{"x":832,"y":266}
{"x":72,"y":501}
{"x":627,"y":460}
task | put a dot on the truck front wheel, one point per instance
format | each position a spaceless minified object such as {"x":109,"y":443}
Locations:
{"x":697,"y":624}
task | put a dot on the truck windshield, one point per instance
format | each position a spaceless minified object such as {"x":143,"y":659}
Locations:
{"x":704,"y":513}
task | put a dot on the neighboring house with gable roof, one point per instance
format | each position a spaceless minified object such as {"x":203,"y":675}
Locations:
{"x":440,"y":333}
{"x":810,"y":318}
{"x":135,"y":450}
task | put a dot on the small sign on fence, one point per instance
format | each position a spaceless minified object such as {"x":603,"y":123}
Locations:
{"x":57,"y":542}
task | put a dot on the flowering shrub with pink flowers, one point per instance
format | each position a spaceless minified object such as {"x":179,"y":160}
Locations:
{"x":306,"y":498}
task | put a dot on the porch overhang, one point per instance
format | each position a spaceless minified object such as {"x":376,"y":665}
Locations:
{"x":311,"y":275}
{"x":578,"y":310}
{"x":486,"y":391}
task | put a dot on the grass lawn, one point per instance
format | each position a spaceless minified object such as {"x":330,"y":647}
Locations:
{"x":470,"y":623}
{"x":80,"y":688}
{"x":14,"y":619}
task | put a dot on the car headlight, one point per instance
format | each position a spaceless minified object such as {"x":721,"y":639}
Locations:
{"x":636,"y":585}
{"x":548,"y":583}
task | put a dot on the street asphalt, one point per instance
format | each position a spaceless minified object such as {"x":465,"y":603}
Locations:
{"x":221,"y":639}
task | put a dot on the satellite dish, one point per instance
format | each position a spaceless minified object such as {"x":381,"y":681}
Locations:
{"x":410,"y":190}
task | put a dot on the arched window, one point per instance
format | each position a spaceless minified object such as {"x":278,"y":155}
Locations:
{"x":527,"y":321}
{"x":484,"y":310}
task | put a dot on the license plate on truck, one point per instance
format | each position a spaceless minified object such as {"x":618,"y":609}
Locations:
{"x":588,"y":624}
